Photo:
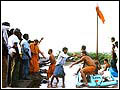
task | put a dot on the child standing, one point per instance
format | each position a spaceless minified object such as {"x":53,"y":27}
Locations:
{"x":52,"y":65}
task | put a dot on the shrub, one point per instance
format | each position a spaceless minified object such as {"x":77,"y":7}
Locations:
{"x":101,"y":56}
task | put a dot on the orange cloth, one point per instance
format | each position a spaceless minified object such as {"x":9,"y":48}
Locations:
{"x":50,"y":70}
{"x":52,"y":66}
{"x":100,"y":14}
{"x":34,"y":66}
{"x":89,"y":69}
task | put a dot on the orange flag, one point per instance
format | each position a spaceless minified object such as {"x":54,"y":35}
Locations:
{"x":100,"y":14}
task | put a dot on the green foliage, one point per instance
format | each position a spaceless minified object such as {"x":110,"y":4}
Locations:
{"x":101,"y":56}
{"x":71,"y":53}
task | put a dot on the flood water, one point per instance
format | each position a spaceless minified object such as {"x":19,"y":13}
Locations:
{"x":70,"y":78}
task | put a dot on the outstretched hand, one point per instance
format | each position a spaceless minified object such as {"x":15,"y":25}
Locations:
{"x":71,"y":66}
{"x":42,"y":38}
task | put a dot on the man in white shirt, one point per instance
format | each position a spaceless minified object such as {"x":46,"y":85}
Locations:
{"x":14,"y":47}
{"x":62,"y":58}
{"x":13,"y":41}
{"x":5,"y":61}
{"x":59,"y":70}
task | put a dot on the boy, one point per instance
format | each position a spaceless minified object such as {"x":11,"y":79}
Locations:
{"x":52,"y":65}
{"x":107,"y":65}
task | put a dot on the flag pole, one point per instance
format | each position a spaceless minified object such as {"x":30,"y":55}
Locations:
{"x":97,"y":40}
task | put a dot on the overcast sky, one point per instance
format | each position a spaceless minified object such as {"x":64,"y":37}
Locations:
{"x":64,"y":23}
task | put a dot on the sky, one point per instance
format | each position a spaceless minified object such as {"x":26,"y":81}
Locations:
{"x":64,"y":23}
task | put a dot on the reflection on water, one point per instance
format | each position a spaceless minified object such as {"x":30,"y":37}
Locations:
{"x":70,"y":78}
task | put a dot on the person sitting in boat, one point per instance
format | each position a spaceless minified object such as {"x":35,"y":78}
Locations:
{"x":106,"y":66}
{"x":87,"y":70}
{"x":83,"y":48}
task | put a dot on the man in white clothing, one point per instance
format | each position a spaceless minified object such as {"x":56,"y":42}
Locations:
{"x":5,"y":61}
{"x":59,"y":70}
{"x":14,"y":47}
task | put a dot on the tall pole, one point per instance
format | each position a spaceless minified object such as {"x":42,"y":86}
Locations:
{"x":97,"y":40}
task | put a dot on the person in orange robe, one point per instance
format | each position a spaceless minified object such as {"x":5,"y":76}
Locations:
{"x":34,"y":65}
{"x":87,"y":70}
{"x":52,"y":65}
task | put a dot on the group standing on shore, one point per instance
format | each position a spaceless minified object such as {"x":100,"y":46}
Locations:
{"x":19,"y":57}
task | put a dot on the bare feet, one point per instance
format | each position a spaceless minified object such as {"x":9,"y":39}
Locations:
{"x":53,"y":86}
{"x":48,"y":86}
{"x":84,"y":85}
{"x":56,"y":84}
{"x":63,"y":86}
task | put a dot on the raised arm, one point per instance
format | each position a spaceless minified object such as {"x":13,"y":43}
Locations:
{"x":41,"y":40}
{"x":82,"y":59}
{"x":76,"y":55}
{"x":42,"y":54}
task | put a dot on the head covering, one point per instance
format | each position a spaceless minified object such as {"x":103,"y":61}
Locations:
{"x":5,"y":28}
{"x":6,"y":24}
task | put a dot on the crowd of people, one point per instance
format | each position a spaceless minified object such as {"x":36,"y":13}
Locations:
{"x":19,"y":56}
{"x":20,"y":59}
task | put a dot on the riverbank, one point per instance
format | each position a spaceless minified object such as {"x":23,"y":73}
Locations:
{"x":33,"y":82}
{"x":38,"y":80}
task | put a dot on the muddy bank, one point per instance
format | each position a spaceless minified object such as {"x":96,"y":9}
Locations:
{"x":34,"y":81}
{"x":38,"y":80}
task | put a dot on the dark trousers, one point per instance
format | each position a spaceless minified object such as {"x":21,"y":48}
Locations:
{"x":9,"y":70}
{"x":4,"y":71}
{"x":26,"y":67}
